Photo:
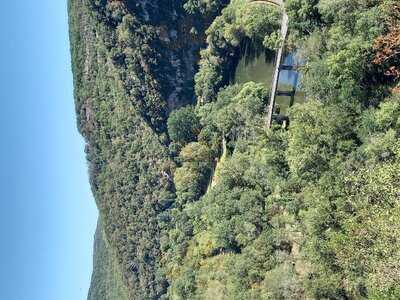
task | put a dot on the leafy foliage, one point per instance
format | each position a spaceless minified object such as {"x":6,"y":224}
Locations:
{"x":387,"y":46}
{"x":317,"y":197}
{"x":205,"y":6}
{"x":239,"y":31}
{"x":228,"y":209}
{"x":183,"y":125}
{"x":125,"y":85}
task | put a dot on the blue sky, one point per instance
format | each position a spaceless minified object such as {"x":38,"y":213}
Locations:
{"x":47,"y":214}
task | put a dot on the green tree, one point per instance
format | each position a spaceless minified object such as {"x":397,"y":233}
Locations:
{"x":183,"y":125}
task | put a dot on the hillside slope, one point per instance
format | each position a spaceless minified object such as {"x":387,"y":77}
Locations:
{"x":107,"y":277}
{"x":198,"y":198}
{"x":131,"y":66}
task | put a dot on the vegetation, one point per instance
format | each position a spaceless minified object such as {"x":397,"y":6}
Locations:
{"x":129,"y":71}
{"x":240,"y":30}
{"x":203,"y":201}
{"x":183,"y":125}
{"x":107,"y":277}
{"x":205,"y":6}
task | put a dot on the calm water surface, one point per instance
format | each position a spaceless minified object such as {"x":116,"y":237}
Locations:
{"x":261,"y":70}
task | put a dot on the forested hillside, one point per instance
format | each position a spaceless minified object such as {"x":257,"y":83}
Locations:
{"x":198,"y":198}
{"x":107,"y":277}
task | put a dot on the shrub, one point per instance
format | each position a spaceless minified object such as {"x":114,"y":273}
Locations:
{"x":183,"y":125}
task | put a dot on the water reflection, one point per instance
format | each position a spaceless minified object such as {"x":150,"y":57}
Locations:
{"x":292,"y":77}
{"x":261,"y":70}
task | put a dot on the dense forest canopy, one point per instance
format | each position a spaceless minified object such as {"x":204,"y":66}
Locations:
{"x":197,"y":198}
